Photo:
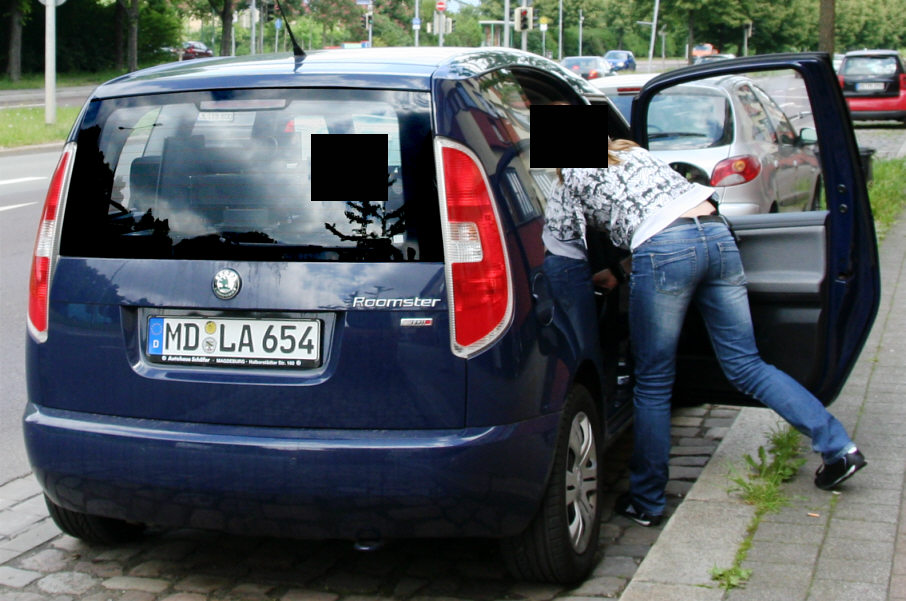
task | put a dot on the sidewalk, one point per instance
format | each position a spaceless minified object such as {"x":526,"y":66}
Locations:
{"x":844,"y":546}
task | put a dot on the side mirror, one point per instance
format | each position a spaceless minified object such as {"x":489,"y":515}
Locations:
{"x":808,"y":135}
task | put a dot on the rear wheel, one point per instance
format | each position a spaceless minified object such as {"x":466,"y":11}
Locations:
{"x":560,"y":543}
{"x":92,"y":528}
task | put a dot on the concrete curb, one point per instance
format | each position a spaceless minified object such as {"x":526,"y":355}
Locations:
{"x":50,"y":147}
{"x":677,"y":568}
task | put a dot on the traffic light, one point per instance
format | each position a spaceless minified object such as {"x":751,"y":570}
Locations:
{"x":448,"y":25}
{"x":366,"y":20}
{"x":522,"y":18}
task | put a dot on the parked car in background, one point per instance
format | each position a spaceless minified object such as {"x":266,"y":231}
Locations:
{"x":620,"y":60}
{"x":621,"y":89}
{"x":589,"y":67}
{"x":707,"y":58}
{"x":229,"y":328}
{"x":192,"y":50}
{"x":729,"y":133}
{"x":874,"y":84}
{"x":704,"y":50}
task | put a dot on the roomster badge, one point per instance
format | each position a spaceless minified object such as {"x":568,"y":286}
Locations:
{"x":226,"y":284}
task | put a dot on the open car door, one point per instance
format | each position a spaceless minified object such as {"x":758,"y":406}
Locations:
{"x":812,"y":270}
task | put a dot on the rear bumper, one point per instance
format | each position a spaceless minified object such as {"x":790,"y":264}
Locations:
{"x":878,"y":115}
{"x":297,"y":483}
{"x":877,"y":109}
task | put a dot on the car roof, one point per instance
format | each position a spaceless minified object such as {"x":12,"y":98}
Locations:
{"x":628,"y":80}
{"x":393,"y":68}
{"x":867,"y":52}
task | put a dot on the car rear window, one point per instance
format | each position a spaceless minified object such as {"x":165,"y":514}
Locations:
{"x":687,"y":117}
{"x":869,"y":65}
{"x":580,"y":63}
{"x":229,"y":174}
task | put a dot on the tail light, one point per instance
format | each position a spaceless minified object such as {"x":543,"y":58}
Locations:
{"x":45,"y":243}
{"x":842,"y":81}
{"x":593,"y":74}
{"x":903,"y":82}
{"x":479,"y":284}
{"x":735,"y":171}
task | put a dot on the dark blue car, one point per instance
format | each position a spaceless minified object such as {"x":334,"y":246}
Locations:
{"x":621,"y":60}
{"x":303,"y":296}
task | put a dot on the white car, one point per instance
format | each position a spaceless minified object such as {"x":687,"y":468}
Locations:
{"x":728,"y":133}
{"x":621,"y":89}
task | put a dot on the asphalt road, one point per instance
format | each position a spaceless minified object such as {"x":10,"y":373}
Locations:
{"x":68,"y":96}
{"x":23,"y":184}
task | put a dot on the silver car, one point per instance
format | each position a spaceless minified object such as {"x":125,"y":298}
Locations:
{"x":727,"y":132}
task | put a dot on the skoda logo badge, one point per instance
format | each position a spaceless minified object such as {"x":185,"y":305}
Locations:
{"x":226,"y":284}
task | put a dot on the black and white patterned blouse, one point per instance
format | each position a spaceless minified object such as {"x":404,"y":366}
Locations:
{"x":632,"y":200}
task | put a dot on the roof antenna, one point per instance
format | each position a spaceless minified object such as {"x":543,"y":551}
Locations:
{"x":297,"y":49}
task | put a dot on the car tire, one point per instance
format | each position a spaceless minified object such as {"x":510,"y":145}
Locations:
{"x":91,"y":528}
{"x":561,"y":542}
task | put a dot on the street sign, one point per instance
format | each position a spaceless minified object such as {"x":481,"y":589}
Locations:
{"x":441,"y":5}
{"x":416,"y":24}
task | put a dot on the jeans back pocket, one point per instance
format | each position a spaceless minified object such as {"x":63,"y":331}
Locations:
{"x":674,"y":272}
{"x":731,"y":270}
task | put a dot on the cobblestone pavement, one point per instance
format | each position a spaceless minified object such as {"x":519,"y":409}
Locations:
{"x":38,"y":563}
{"x":887,"y":138}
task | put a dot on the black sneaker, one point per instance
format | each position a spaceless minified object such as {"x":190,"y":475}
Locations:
{"x":625,"y":507}
{"x":830,"y":475}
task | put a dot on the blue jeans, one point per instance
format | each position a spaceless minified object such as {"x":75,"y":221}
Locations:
{"x":700,"y":263}
{"x":575,"y":316}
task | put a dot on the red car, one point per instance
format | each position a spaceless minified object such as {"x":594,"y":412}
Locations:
{"x":874,"y":84}
{"x":195,"y":50}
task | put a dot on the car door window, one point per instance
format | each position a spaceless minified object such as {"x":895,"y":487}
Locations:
{"x":761,"y":128}
{"x":510,"y":98}
{"x":779,"y":121}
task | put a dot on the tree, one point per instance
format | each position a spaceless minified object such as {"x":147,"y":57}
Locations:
{"x":826,"y":17}
{"x":16,"y":12}
{"x":224,"y":10}
{"x":706,"y":20}
{"x":337,"y":18}
{"x":132,"y":10}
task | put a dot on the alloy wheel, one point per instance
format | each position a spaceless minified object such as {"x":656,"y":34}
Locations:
{"x":581,"y":482}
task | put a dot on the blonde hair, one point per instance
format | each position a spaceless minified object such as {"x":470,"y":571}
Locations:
{"x":613,"y":147}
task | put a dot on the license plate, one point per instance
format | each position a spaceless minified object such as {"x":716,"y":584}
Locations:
{"x":231,"y":342}
{"x":870,"y":86}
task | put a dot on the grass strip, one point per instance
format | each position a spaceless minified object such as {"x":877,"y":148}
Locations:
{"x":887,"y":193}
{"x":761,"y":485}
{"x":25,"y":126}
